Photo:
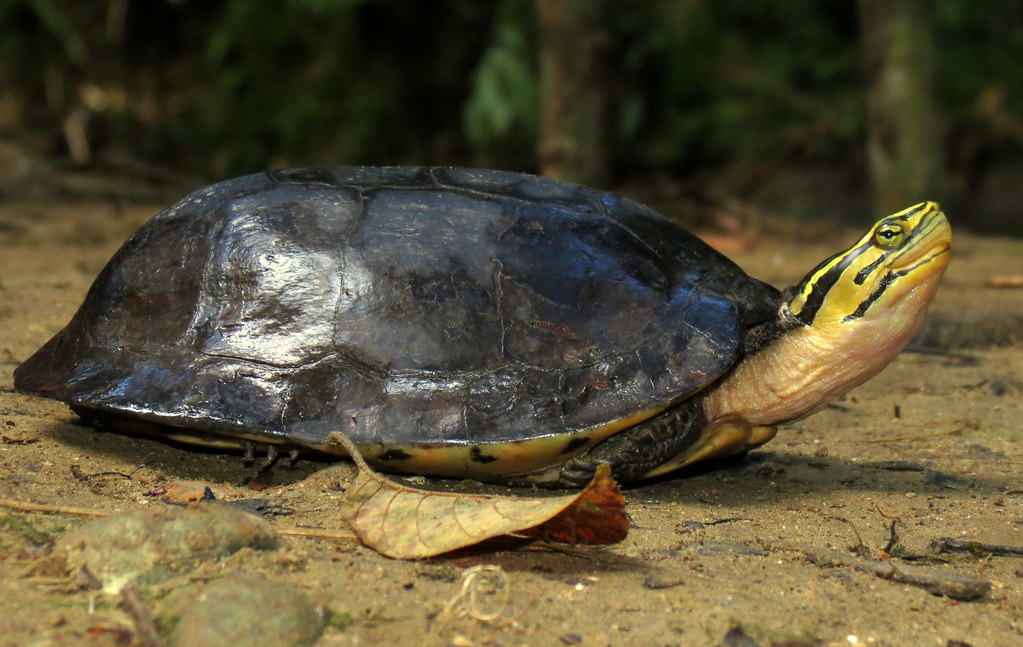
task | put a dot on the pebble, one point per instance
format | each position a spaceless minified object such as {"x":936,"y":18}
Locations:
{"x":944,"y":480}
{"x":154,"y":544}
{"x":241,"y":611}
{"x":663,"y":581}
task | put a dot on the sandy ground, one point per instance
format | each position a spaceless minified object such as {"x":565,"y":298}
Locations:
{"x":780,"y":544}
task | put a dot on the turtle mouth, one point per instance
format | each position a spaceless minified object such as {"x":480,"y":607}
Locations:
{"x":941,"y":256}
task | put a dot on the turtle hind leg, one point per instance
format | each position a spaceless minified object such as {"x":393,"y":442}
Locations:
{"x":634,"y":452}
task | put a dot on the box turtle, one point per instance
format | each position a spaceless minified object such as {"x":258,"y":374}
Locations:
{"x":472,"y":323}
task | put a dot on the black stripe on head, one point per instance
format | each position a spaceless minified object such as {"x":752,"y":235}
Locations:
{"x":882,"y":285}
{"x":867,"y":270}
{"x":913,"y":210}
{"x":921,"y":233}
{"x":815,"y":299}
{"x":912,"y":236}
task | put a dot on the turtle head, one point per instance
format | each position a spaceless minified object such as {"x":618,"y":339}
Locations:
{"x":888,"y":276}
{"x":843,"y":323}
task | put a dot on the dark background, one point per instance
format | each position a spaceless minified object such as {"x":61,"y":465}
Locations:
{"x":822,"y":109}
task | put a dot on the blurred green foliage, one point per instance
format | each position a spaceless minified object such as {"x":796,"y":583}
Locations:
{"x":502,"y":106}
{"x":221,"y":87}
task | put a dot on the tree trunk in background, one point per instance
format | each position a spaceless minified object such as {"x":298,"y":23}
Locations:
{"x":574,"y":104}
{"x":905,"y":130}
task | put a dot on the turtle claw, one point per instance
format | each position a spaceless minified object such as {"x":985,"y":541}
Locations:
{"x":250,"y":453}
{"x":272,"y":455}
{"x":579,"y":471}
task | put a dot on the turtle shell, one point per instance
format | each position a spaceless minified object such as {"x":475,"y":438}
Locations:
{"x":411,"y":309}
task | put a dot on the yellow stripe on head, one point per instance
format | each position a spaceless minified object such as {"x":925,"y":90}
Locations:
{"x":899,"y":253}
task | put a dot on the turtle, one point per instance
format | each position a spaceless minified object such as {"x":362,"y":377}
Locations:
{"x":470,"y":323}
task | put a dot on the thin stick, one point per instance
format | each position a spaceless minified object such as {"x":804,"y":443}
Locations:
{"x":338,"y":438}
{"x":292,"y":531}
{"x":938,"y":582}
{"x":947,"y":544}
{"x":323,"y":533}
{"x":22,"y":506}
{"x":145,"y":628}
{"x":903,"y":439}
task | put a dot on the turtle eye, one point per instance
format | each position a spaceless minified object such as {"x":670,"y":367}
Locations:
{"x":889,"y":236}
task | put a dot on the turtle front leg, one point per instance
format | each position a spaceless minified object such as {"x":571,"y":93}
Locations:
{"x":726,"y":436}
{"x":635,"y":451}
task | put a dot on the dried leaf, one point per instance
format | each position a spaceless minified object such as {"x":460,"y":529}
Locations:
{"x":185,"y":491}
{"x":263,"y":479}
{"x":408,"y":523}
{"x":596,"y":517}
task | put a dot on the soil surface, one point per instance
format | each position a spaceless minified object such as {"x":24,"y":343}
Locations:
{"x":823,"y":537}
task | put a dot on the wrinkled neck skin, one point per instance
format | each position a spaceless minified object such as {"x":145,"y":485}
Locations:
{"x":810,"y":366}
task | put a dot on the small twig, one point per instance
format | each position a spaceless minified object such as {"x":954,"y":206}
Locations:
{"x":949,"y":545}
{"x":903,"y":439}
{"x":938,"y":582}
{"x":85,"y":478}
{"x":983,"y":564}
{"x":322,"y":533}
{"x":7,"y":440}
{"x":716,"y":522}
{"x":893,"y":538}
{"x":861,"y":548}
{"x":878,"y":510}
{"x":966,"y":358}
{"x":145,"y":628}
{"x":55,"y":581}
{"x":291,"y":531}
{"x":1005,"y":281}
{"x":22,"y":506}
{"x":338,"y":438}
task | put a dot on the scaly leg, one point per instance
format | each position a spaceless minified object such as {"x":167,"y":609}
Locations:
{"x":726,"y":436}
{"x":633,"y":452}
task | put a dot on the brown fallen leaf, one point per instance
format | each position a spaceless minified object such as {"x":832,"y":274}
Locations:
{"x":407,"y":523}
{"x":263,"y":479}
{"x":596,"y":516}
{"x":187,"y":491}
